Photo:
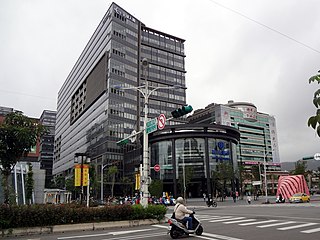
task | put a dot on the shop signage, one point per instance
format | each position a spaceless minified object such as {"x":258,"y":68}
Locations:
{"x":220,"y":153}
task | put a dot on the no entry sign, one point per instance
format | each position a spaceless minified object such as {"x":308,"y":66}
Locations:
{"x":161,"y":121}
{"x":156,"y":167}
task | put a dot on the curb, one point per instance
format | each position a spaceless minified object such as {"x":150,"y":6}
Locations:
{"x":77,"y":227}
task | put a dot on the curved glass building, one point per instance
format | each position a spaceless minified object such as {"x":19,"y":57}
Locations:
{"x":188,"y":155}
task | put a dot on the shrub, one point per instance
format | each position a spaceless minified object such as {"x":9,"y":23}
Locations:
{"x":49,"y":215}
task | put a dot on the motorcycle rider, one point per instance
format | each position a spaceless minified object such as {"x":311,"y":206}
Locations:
{"x":180,"y":212}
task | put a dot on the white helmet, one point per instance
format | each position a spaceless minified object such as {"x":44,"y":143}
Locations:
{"x":180,"y":200}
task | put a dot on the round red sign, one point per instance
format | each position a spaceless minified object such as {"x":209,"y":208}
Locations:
{"x":156,"y":167}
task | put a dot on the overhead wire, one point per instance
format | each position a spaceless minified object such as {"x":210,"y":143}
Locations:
{"x":265,"y":26}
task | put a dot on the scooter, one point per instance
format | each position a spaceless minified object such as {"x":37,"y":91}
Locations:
{"x":177,"y":228}
{"x":211,"y":203}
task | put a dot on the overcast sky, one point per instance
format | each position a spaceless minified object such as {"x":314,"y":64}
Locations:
{"x":261,"y":52}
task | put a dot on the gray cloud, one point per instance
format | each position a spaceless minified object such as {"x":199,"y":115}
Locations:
{"x":255,"y":51}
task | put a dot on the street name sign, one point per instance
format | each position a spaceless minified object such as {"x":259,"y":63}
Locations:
{"x":152,"y":125}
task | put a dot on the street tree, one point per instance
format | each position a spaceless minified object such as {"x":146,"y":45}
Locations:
{"x":156,"y":188}
{"x":29,"y":184}
{"x":314,"y":121}
{"x":18,"y":134}
{"x":300,"y":168}
{"x":112,"y":171}
{"x":224,"y":173}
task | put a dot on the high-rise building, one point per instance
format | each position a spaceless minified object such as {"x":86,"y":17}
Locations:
{"x":47,"y":119}
{"x":93,"y":112}
{"x":258,"y":133}
{"x":258,"y":144}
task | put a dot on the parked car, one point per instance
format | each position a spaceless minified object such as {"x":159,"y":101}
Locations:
{"x":299,"y":197}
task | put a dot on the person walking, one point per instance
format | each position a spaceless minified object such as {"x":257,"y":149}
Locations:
{"x":204,"y":197}
{"x":249,"y":199}
{"x":234,"y":197}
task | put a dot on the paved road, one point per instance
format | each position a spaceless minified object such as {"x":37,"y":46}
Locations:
{"x":229,"y":221}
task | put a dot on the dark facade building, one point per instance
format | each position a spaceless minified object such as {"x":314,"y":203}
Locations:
{"x":47,"y":119}
{"x":93,"y":112}
{"x":188,"y":155}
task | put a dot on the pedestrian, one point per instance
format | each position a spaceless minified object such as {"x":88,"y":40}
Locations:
{"x":249,"y":199}
{"x":234,"y":197}
{"x":204,"y":197}
{"x":237,"y":195}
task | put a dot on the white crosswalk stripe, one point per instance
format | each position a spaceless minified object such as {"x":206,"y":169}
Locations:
{"x":257,"y":223}
{"x":226,"y":219}
{"x":311,"y":230}
{"x":276,"y":224}
{"x":297,"y":226}
{"x":240,"y":221}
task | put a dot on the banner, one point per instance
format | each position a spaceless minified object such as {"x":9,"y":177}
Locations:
{"x":77,"y":175}
{"x":85,"y":174}
{"x":137,"y":186}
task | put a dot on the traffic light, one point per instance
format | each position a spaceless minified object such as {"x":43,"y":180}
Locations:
{"x":181,"y":111}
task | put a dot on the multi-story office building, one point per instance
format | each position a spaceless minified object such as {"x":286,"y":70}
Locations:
{"x":258,"y":134}
{"x":93,"y":113}
{"x":257,"y":130}
{"x":47,"y":119}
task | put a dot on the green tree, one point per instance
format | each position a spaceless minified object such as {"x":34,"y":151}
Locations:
{"x":18,"y":134}
{"x":59,"y":182}
{"x":314,"y":121}
{"x":300,"y":168}
{"x":112,"y":171}
{"x":156,"y":188}
{"x":188,"y":175}
{"x":224,"y":173}
{"x":127,"y":184}
{"x":29,"y":184}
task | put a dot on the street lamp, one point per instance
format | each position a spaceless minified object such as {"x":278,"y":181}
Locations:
{"x":146,"y":92}
{"x":265,"y":176}
{"x":84,"y":175}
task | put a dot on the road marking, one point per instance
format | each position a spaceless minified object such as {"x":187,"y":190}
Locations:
{"x":226,"y":219}
{"x":144,"y":236}
{"x":239,"y":221}
{"x":159,"y":226}
{"x":84,"y":236}
{"x":276,"y":224}
{"x":297,"y":226}
{"x":103,"y":234}
{"x":219,"y":236}
{"x":256,"y":223}
{"x":311,"y":230}
{"x":213,"y":218}
{"x":131,"y":231}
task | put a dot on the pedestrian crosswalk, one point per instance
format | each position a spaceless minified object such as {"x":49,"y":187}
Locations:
{"x":281,"y":225}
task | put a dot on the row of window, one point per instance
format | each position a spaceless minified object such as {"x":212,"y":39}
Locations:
{"x":162,"y":41}
{"x":162,"y":57}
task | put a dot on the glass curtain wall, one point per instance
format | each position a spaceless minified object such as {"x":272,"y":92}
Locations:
{"x":190,"y":166}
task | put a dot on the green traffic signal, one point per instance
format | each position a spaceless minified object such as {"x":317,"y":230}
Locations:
{"x":181,"y":111}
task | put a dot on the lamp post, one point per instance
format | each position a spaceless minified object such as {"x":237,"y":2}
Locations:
{"x":84,"y":158}
{"x":146,"y":92}
{"x":265,"y":177}
{"x":103,"y":166}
